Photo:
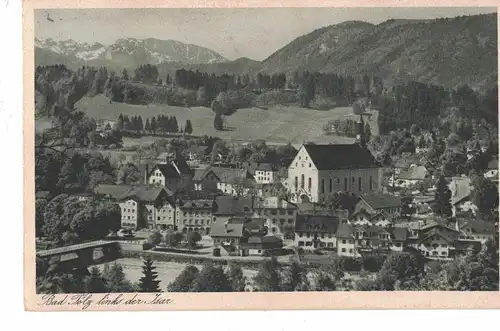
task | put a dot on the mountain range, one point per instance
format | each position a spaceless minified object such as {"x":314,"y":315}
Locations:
{"x":448,"y":52}
{"x":125,"y":52}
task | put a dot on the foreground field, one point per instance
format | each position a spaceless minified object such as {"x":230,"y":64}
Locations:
{"x":279,"y":124}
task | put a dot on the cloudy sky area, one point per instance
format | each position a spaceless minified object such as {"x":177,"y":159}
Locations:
{"x":255,"y":33}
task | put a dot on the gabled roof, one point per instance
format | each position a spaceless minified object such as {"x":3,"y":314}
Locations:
{"x":199,"y":174}
{"x":167,"y":170}
{"x":460,"y":189}
{"x":114,"y":191}
{"x":141,"y":193}
{"x":361,"y":212}
{"x":227,"y":175}
{"x":477,"y":226}
{"x":493,"y":164}
{"x":380,"y":201}
{"x":352,"y":156}
{"x":414,"y":172}
{"x":314,"y":223}
{"x":196,"y":204}
{"x":233,"y":230}
{"x":345,"y":231}
{"x":182,"y":165}
{"x":265,"y":167}
{"x":273,"y":203}
{"x":377,"y":215}
{"x":229,"y":205}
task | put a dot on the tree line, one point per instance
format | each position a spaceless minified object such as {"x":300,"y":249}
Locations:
{"x":158,"y":124}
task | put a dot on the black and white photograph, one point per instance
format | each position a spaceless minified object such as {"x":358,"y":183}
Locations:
{"x":265,"y":150}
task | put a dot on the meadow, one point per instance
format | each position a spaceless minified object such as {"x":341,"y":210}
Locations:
{"x":278,"y":124}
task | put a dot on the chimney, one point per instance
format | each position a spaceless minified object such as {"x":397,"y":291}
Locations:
{"x":146,"y":173}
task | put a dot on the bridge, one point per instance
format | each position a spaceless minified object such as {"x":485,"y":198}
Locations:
{"x":83,"y":254}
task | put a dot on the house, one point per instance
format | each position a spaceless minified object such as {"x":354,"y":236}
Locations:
{"x":360,"y":217}
{"x":165,"y":157}
{"x":492,"y":170}
{"x":461,"y":189}
{"x":205,"y":180}
{"x":233,"y":181}
{"x":280,"y":216}
{"x":174,"y":175}
{"x":141,"y":206}
{"x":242,"y":236}
{"x":374,"y":203}
{"x":264,"y":173}
{"x":358,"y":240}
{"x":411,"y":176}
{"x":195,"y":215}
{"x":478,"y":230}
{"x":318,"y":170}
{"x":313,"y":231}
{"x":227,"y":207}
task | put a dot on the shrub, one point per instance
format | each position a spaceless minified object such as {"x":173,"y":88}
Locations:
{"x":373,"y":263}
{"x":351,"y":263}
{"x":155,"y":238}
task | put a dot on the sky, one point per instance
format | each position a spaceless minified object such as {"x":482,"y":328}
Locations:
{"x":255,"y":32}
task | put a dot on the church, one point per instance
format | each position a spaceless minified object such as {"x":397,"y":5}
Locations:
{"x":319,"y":170}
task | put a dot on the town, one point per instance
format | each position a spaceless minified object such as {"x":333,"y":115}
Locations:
{"x":212,"y":175}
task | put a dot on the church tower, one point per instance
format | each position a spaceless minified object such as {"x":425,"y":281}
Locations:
{"x":360,"y":132}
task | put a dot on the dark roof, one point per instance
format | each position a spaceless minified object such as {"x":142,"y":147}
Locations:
{"x":197,"y":204}
{"x":263,"y":240}
{"x":493,"y":164}
{"x":143,"y":193}
{"x":379,"y":201}
{"x":182,"y":165}
{"x":168,"y":170}
{"x":227,"y":175}
{"x":199,"y":174}
{"x":345,"y":231}
{"x":477,"y":226}
{"x":114,"y":191}
{"x":265,"y":167}
{"x":351,"y":156}
{"x":315,"y":223}
{"x":229,"y":205}
{"x":219,"y":229}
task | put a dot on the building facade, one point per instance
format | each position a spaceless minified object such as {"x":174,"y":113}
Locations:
{"x":318,"y":170}
{"x":195,"y":215}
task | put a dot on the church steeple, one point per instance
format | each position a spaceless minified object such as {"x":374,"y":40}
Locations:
{"x":360,"y":132}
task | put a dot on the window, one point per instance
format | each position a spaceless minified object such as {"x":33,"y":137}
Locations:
{"x":329,"y":245}
{"x":350,"y":250}
{"x":343,"y":250}
{"x":331,"y":185}
{"x":443,"y":253}
{"x":359,"y":184}
{"x":350,"y":241}
{"x":343,"y":241}
{"x":345,"y":184}
{"x":301,"y":243}
{"x":290,"y":212}
{"x":322,"y":186}
{"x":308,"y":235}
{"x":308,"y":243}
{"x":330,"y":235}
{"x":302,"y":181}
{"x":322,"y":236}
{"x":273,"y":229}
{"x":296,"y":182}
{"x":309,"y":165}
{"x":309,"y":183}
{"x":300,"y":234}
{"x":158,"y":218}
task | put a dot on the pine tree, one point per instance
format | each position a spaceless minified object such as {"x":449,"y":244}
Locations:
{"x":120,"y":123}
{"x":125,"y":74}
{"x":218,"y":125}
{"x":175,"y":125}
{"x":148,"y":282}
{"x":236,"y":278}
{"x":153,"y":126}
{"x":147,"y":127}
{"x":442,"y":197}
{"x":140,"y":124}
{"x":268,"y":279}
{"x":188,"y":128}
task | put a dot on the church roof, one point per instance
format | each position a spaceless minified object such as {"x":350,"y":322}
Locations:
{"x":341,"y":156}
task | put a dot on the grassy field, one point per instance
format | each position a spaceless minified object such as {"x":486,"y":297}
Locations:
{"x":279,"y":124}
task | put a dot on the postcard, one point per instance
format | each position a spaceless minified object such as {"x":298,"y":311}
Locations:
{"x":274,"y":155}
